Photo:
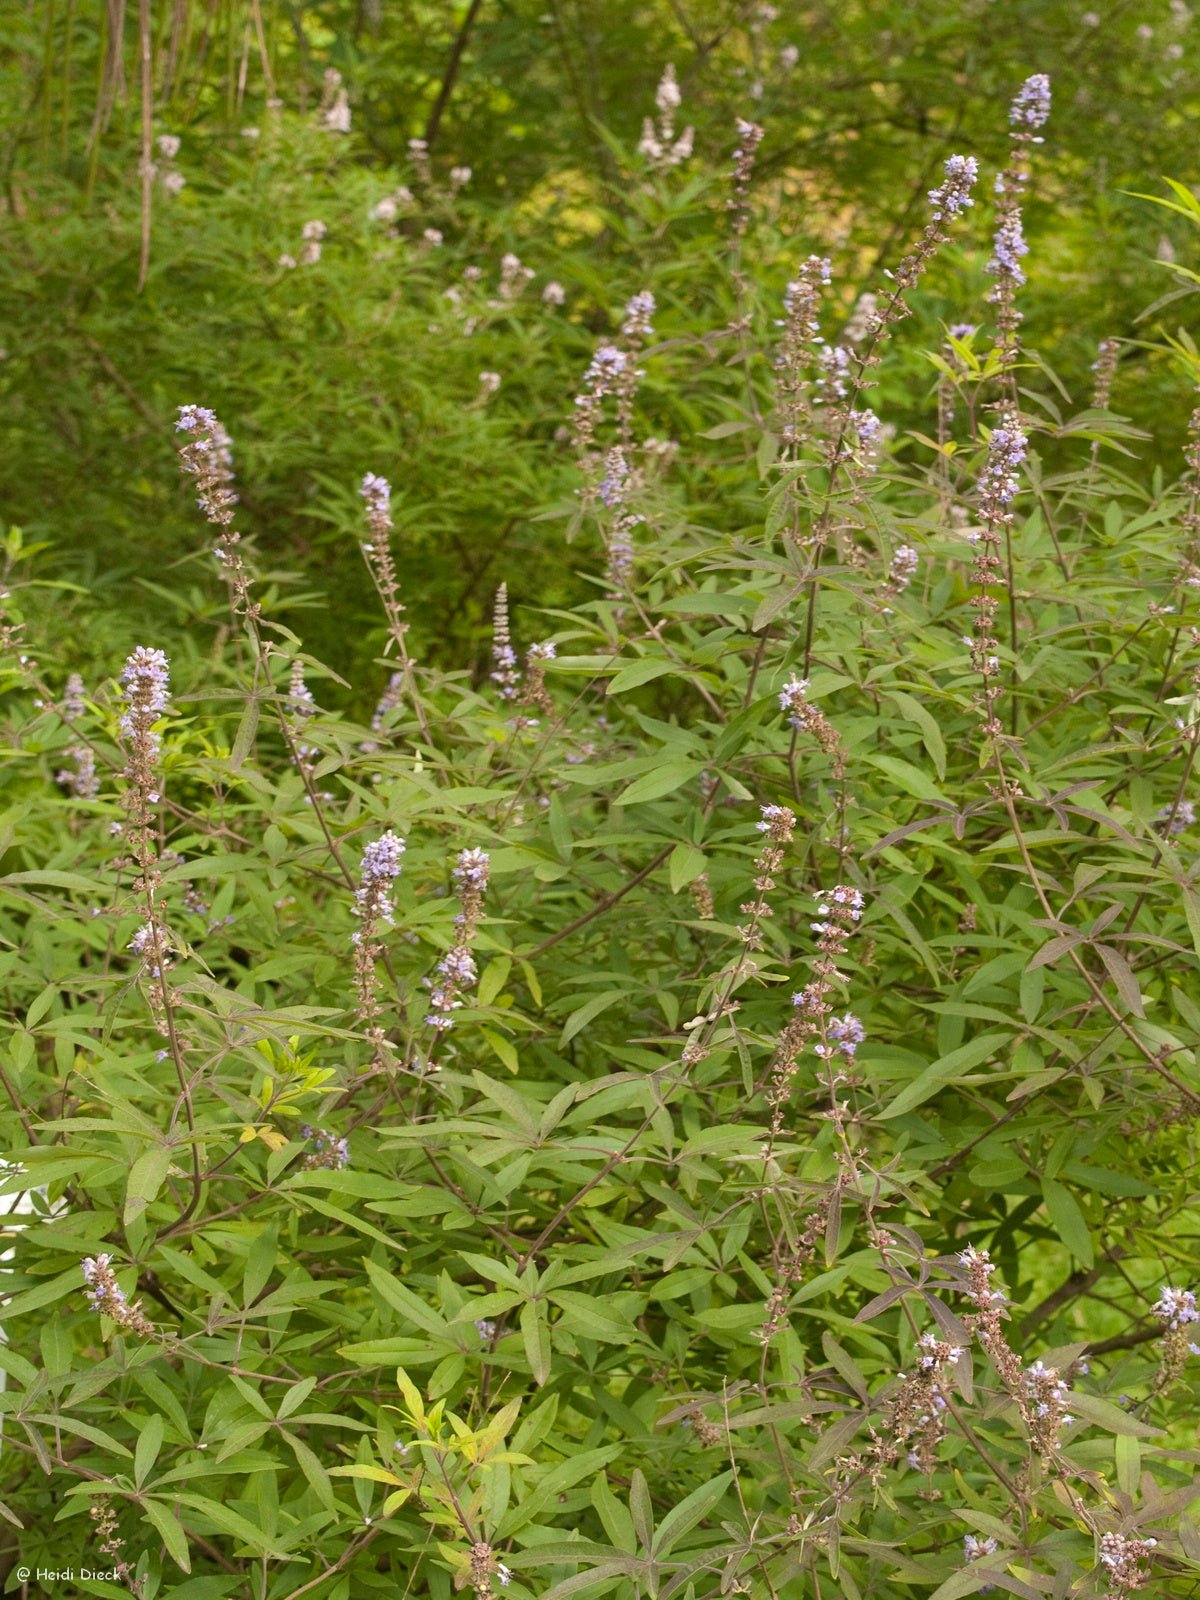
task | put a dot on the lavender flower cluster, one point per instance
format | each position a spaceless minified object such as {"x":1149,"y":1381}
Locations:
{"x":381,"y":864}
{"x":535,"y":692}
{"x":1176,"y":1308}
{"x":1031,"y":105}
{"x":840,"y":909}
{"x":800,"y":347}
{"x":330,"y":1151}
{"x":147,"y":679}
{"x":456,"y":970}
{"x":1008,"y":246}
{"x":505,"y":672}
{"x":808,"y":719}
{"x":1040,"y":1392}
{"x":380,"y":868}
{"x":208,"y":457}
{"x":106,"y":1296}
{"x":659,"y":144}
{"x":953,"y":195}
{"x":1000,"y":484}
{"x":1126,"y":1562}
{"x":377,"y":493}
{"x":83,"y":781}
{"x":1029,"y":110}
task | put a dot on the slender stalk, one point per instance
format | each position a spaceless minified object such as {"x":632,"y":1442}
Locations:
{"x":147,"y":166}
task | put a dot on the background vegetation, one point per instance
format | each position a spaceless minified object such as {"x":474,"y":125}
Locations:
{"x":643,"y":1278}
{"x":333,"y":368}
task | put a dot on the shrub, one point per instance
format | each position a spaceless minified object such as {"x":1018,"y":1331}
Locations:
{"x":569,"y":1131}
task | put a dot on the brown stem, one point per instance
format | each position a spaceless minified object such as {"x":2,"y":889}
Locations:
{"x":144,"y":47}
{"x":449,"y":77}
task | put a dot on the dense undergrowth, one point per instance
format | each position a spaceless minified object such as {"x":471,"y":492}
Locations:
{"x":119,"y":301}
{"x":704,"y":1106}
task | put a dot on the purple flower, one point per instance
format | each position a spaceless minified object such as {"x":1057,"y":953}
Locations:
{"x":953,"y":194}
{"x":616,"y":476}
{"x":1177,"y":819}
{"x":835,"y":369}
{"x":196,"y":419}
{"x":637,"y":316}
{"x":1006,"y":452}
{"x":377,"y":492}
{"x":1176,"y":1307}
{"x":793,"y":699}
{"x":847,"y":1033}
{"x":605,"y":365}
{"x":380,"y":867}
{"x":1031,"y":106}
{"x":904,"y":563}
{"x":146,"y":677}
{"x":1007,"y":249}
{"x":847,"y":904}
{"x":208,"y":457}
{"x":777,"y":823}
{"x":458,"y":967}
{"x":330,"y":1150}
{"x":471,"y":870}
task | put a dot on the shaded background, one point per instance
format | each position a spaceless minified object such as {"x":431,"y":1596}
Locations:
{"x":357,"y":362}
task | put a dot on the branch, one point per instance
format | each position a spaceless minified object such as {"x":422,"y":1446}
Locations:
{"x":451,"y":74}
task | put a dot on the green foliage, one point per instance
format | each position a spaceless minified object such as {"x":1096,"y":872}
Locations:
{"x":640,"y":1279}
{"x":359,"y":360}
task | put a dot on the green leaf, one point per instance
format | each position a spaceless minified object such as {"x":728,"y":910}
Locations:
{"x":684,"y":865}
{"x":536,"y":1336}
{"x":54,"y":1341}
{"x":1111,"y":1418}
{"x":593,"y":1317}
{"x":663,"y":780}
{"x":169,"y":1526}
{"x":1122,"y":976}
{"x":493,"y":978}
{"x":146,"y":1178}
{"x":689,"y":1512}
{"x":599,"y":1573}
{"x":149,"y":1443}
{"x":411,"y":1307}
{"x":1068,"y":1220}
{"x":774,"y":602}
{"x":618,"y":1524}
{"x":971,"y":1579}
{"x":1127,"y":1453}
{"x":939,"y":1073}
{"x":641,"y":1509}
{"x":45,"y":1294}
{"x":244,"y":738}
{"x":296,"y":1396}
{"x":349,"y":1220}
{"x":505,"y":1050}
{"x":639,"y":672}
{"x":234,"y":1524}
{"x":931,"y":733}
{"x":724,"y":430}
{"x":410,"y":1352}
{"x":578,"y":1020}
{"x":909,"y":778}
{"x":666,"y":778}
{"x":369,"y":1474}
